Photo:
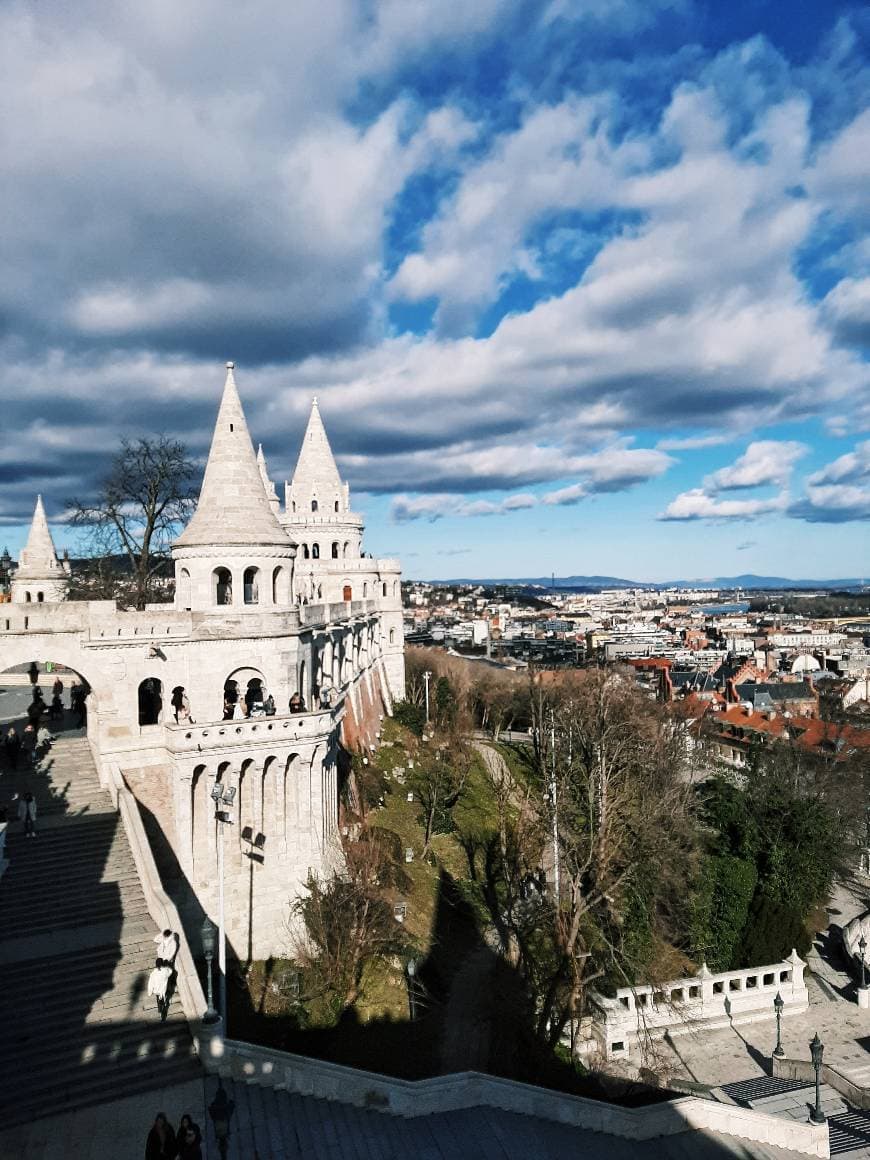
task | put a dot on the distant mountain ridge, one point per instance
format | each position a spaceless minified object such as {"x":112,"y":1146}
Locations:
{"x":747,"y":581}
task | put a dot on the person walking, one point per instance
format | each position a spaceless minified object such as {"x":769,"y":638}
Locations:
{"x":27,"y":814}
{"x":57,"y":687}
{"x":161,"y":1144}
{"x":187,"y":1124}
{"x":12,"y":745}
{"x":189,"y":1148}
{"x":28,"y":743}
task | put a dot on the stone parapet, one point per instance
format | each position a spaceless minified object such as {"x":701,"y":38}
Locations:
{"x":330,"y":1081}
{"x":705,"y":1000}
{"x":181,"y":740}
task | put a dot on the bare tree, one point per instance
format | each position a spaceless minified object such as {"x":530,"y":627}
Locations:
{"x":346,"y":923}
{"x":609,"y":822}
{"x":439,"y":779}
{"x":141,"y":504}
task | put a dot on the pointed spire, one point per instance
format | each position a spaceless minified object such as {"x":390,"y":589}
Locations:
{"x":316,"y":475}
{"x":38,"y":557}
{"x":233,"y":507}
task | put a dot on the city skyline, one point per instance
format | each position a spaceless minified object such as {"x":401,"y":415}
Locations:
{"x":580,"y":288}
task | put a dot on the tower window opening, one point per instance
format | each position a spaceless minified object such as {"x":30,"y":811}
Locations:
{"x":305,"y":553}
{"x":335,"y":550}
{"x":150,"y":701}
{"x":314,"y":505}
{"x":231,"y":427}
{"x":40,"y":597}
{"x":315,"y":551}
{"x":385,"y":589}
{"x":251,"y":586}
{"x":336,"y":505}
{"x":27,"y":598}
{"x":223,"y":586}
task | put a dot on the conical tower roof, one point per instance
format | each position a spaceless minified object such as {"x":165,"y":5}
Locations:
{"x":233,"y":507}
{"x":38,"y":557}
{"x":316,"y":472}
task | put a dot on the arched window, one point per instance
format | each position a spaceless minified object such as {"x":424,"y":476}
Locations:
{"x":385,"y":589}
{"x":183,"y":596}
{"x":150,"y":701}
{"x":347,"y":592}
{"x":27,"y":598}
{"x":336,"y":505}
{"x":365,"y":590}
{"x":314,"y":505}
{"x":392,"y":636}
{"x":335,"y":549}
{"x":319,"y":591}
{"x":277,"y":587}
{"x":252,"y":585}
{"x":305,"y":552}
{"x":40,"y":597}
{"x":223,"y":586}
{"x":344,"y":550}
{"x":315,"y":551}
{"x":395,"y":587}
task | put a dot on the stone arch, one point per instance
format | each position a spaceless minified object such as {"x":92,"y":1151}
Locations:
{"x":17,"y":651}
{"x":315,"y":551}
{"x":345,"y":547}
{"x":384,"y":588}
{"x":279,"y":593}
{"x":247,"y":800}
{"x":199,"y":809}
{"x":150,"y":700}
{"x":300,"y":685}
{"x":251,"y":585}
{"x":222,"y":586}
{"x":241,"y":678}
{"x":335,"y":549}
{"x":288,"y":797}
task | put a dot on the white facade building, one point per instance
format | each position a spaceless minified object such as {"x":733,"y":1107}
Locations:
{"x":250,"y":619}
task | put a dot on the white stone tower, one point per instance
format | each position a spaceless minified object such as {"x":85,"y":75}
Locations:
{"x":234,"y":551}
{"x":40,"y":577}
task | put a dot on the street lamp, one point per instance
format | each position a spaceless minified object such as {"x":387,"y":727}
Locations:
{"x":427,"y":677}
{"x":222,"y":796}
{"x":778,"y":1004}
{"x":208,"y":934}
{"x":221,"y":1110}
{"x":411,"y":969}
{"x":816,"y":1051}
{"x":862,"y":947}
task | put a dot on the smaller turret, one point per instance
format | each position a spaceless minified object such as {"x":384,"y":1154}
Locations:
{"x":40,"y":577}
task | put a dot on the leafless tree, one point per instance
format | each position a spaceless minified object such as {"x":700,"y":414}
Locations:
{"x":141,"y":504}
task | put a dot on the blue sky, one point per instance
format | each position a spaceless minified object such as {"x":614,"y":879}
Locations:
{"x":583,"y":286}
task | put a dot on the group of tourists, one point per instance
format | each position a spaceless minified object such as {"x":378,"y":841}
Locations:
{"x":164,"y":1143}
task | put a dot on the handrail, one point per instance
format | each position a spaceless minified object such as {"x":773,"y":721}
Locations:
{"x":160,"y":906}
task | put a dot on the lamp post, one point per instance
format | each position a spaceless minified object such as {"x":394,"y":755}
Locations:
{"x":778,"y":1004}
{"x":221,"y":1110}
{"x":862,"y":947}
{"x":427,"y":677}
{"x":411,"y":969}
{"x":816,"y":1051}
{"x":222,"y":796}
{"x":208,"y":933}
{"x":555,"y":817}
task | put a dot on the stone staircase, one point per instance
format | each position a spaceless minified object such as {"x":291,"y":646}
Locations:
{"x":76,"y":948}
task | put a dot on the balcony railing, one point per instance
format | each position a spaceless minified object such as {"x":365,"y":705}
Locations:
{"x":187,"y":738}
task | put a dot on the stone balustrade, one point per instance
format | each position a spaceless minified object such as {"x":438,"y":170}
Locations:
{"x":705,"y":1000}
{"x":410,"y":1098}
{"x":187,"y":738}
{"x":324,"y":613}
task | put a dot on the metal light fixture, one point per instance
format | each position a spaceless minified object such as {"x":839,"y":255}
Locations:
{"x":208,"y":933}
{"x":816,"y":1051}
{"x":778,"y":1004}
{"x":221,"y":1110}
{"x":411,"y":971}
{"x":862,"y":947}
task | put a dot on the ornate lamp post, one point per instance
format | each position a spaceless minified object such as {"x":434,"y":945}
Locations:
{"x":222,"y":796}
{"x":208,"y":933}
{"x":862,"y":947}
{"x":427,"y":677}
{"x":221,"y":1110}
{"x":816,"y":1051}
{"x":778,"y":1004}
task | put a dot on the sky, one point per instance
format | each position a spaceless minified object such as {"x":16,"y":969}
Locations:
{"x":582,"y":286}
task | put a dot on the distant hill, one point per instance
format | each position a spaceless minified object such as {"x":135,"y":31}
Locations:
{"x":747,"y":581}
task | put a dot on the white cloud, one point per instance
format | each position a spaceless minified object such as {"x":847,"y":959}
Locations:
{"x":698,"y":505}
{"x":763,"y":463}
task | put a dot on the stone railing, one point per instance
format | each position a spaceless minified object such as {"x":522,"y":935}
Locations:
{"x":703,"y":1000}
{"x":325,"y":613}
{"x":803,"y":1070}
{"x":160,"y":905}
{"x":182,"y":739}
{"x":331,"y":1081}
